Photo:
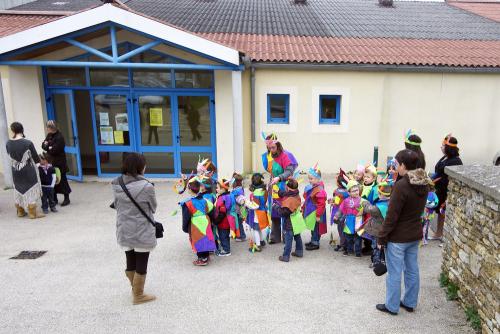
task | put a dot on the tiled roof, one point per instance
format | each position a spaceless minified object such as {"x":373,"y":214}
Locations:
{"x":337,"y":18}
{"x":12,"y":23}
{"x":489,"y":10}
{"x":57,"y":5}
{"x":377,"y":51}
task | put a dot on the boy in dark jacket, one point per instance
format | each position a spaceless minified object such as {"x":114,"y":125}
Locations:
{"x":290,"y":203}
{"x":48,"y":181}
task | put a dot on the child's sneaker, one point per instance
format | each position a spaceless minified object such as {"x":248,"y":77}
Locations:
{"x":45,"y":211}
{"x":223,"y":253}
{"x":345,"y":253}
{"x":200,"y":262}
{"x":358,"y":256}
{"x":53,"y":209}
{"x":337,"y":249}
{"x":297,"y":255}
{"x":262,"y":243}
{"x":371,"y":265}
{"x":283,"y":259}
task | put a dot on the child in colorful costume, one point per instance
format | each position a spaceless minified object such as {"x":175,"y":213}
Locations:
{"x":377,"y":213}
{"x":224,"y":220}
{"x":429,"y":213}
{"x":257,"y":217}
{"x":339,"y":195}
{"x":281,"y":165}
{"x":196,"y":222}
{"x":238,"y":198}
{"x":369,"y":191}
{"x":350,"y":212}
{"x":314,"y":208}
{"x":290,"y":205}
{"x":359,"y":173}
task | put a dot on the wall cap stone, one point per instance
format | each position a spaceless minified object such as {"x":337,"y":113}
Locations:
{"x":485,"y":179}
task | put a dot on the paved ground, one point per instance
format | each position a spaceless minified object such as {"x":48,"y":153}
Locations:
{"x":79,"y":285}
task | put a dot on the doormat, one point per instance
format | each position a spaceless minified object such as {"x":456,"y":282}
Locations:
{"x":28,"y":255}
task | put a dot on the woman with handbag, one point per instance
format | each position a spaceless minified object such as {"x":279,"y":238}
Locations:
{"x":135,"y":204}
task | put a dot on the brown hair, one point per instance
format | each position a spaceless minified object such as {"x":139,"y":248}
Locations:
{"x":278,"y":144}
{"x":17,"y":128}
{"x":292,"y":184}
{"x":133,"y":164}
{"x":451,"y":151}
{"x":408,"y":158}
{"x":238,"y":180}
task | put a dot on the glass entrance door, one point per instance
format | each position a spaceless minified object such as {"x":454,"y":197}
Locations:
{"x":113,"y":129}
{"x":63,"y":112}
{"x":195,"y":129}
{"x":155,"y":137}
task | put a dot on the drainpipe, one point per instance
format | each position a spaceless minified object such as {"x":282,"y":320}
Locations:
{"x":4,"y":137}
{"x":248,"y":64}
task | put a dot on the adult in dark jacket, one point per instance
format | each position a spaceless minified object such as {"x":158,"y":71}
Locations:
{"x":401,"y":233}
{"x":134,"y":232}
{"x":54,"y":145}
{"x":451,"y":157}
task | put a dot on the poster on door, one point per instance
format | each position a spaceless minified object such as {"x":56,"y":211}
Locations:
{"x":106,"y":135}
{"x":121,"y":122}
{"x":155,"y":117}
{"x":104,"y":119}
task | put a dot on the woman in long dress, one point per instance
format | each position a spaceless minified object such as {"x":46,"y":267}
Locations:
{"x":27,"y":185}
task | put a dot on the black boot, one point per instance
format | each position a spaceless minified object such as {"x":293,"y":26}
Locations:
{"x":66,"y":200}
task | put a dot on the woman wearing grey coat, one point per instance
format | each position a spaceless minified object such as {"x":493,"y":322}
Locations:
{"x":134,"y":232}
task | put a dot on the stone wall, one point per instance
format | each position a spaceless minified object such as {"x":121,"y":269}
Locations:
{"x":471,"y":253}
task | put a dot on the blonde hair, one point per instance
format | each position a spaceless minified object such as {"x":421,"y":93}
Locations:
{"x":51,"y":124}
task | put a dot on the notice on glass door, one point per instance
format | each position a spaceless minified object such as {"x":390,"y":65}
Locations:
{"x":104,"y":118}
{"x":119,"y":137}
{"x":121,"y":122}
{"x":106,"y":135}
{"x":155,"y":117}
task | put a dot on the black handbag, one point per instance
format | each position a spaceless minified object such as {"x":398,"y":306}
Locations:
{"x":157,"y":225}
{"x":380,"y":268}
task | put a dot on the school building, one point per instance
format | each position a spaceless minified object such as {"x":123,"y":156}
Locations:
{"x":176,"y":80}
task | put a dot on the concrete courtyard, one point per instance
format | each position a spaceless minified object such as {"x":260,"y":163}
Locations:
{"x":79,"y":285}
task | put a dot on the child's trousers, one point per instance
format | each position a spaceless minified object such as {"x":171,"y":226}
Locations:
{"x":353,"y":242}
{"x":289,"y":237}
{"x":224,"y":237}
{"x":48,"y":198}
{"x":340,"y":230}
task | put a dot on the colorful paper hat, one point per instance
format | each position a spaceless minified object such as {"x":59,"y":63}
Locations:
{"x":273,"y":138}
{"x":342,"y":179}
{"x":392,"y":163}
{"x":371,"y":169}
{"x":360,"y":168}
{"x":409,"y":133}
{"x":385,"y":188}
{"x":202,"y":166}
{"x":314,"y":171}
{"x":181,"y":185}
{"x":446,"y":141}
{"x":352,"y":183}
{"x":225,"y":183}
{"x":432,"y":200}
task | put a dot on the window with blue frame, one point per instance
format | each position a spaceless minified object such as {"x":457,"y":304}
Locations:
{"x":278,"y":108}
{"x":329,"y":109}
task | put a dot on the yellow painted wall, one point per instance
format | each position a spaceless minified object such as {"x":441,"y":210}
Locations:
{"x":380,"y":107}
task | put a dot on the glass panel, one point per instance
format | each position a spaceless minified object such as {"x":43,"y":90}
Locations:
{"x":159,"y":162}
{"x":72,"y":164}
{"x":108,"y":77}
{"x":329,"y":108}
{"x":111,"y":162}
{"x":278,"y":105}
{"x":111,"y":119}
{"x":156,"y":122}
{"x":66,"y":76}
{"x":194,"y":120}
{"x":189,"y":160}
{"x":153,"y":57}
{"x":62,"y":112}
{"x":193,"y":79}
{"x":152,"y":78}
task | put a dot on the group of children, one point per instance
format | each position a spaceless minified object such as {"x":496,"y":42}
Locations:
{"x":217,"y":211}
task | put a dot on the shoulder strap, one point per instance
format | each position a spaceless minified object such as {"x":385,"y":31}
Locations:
{"x":122,"y":184}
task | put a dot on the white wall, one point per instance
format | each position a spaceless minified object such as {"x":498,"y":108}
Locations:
{"x":24,"y":101}
{"x":224,"y":123}
{"x":377,"y":109}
